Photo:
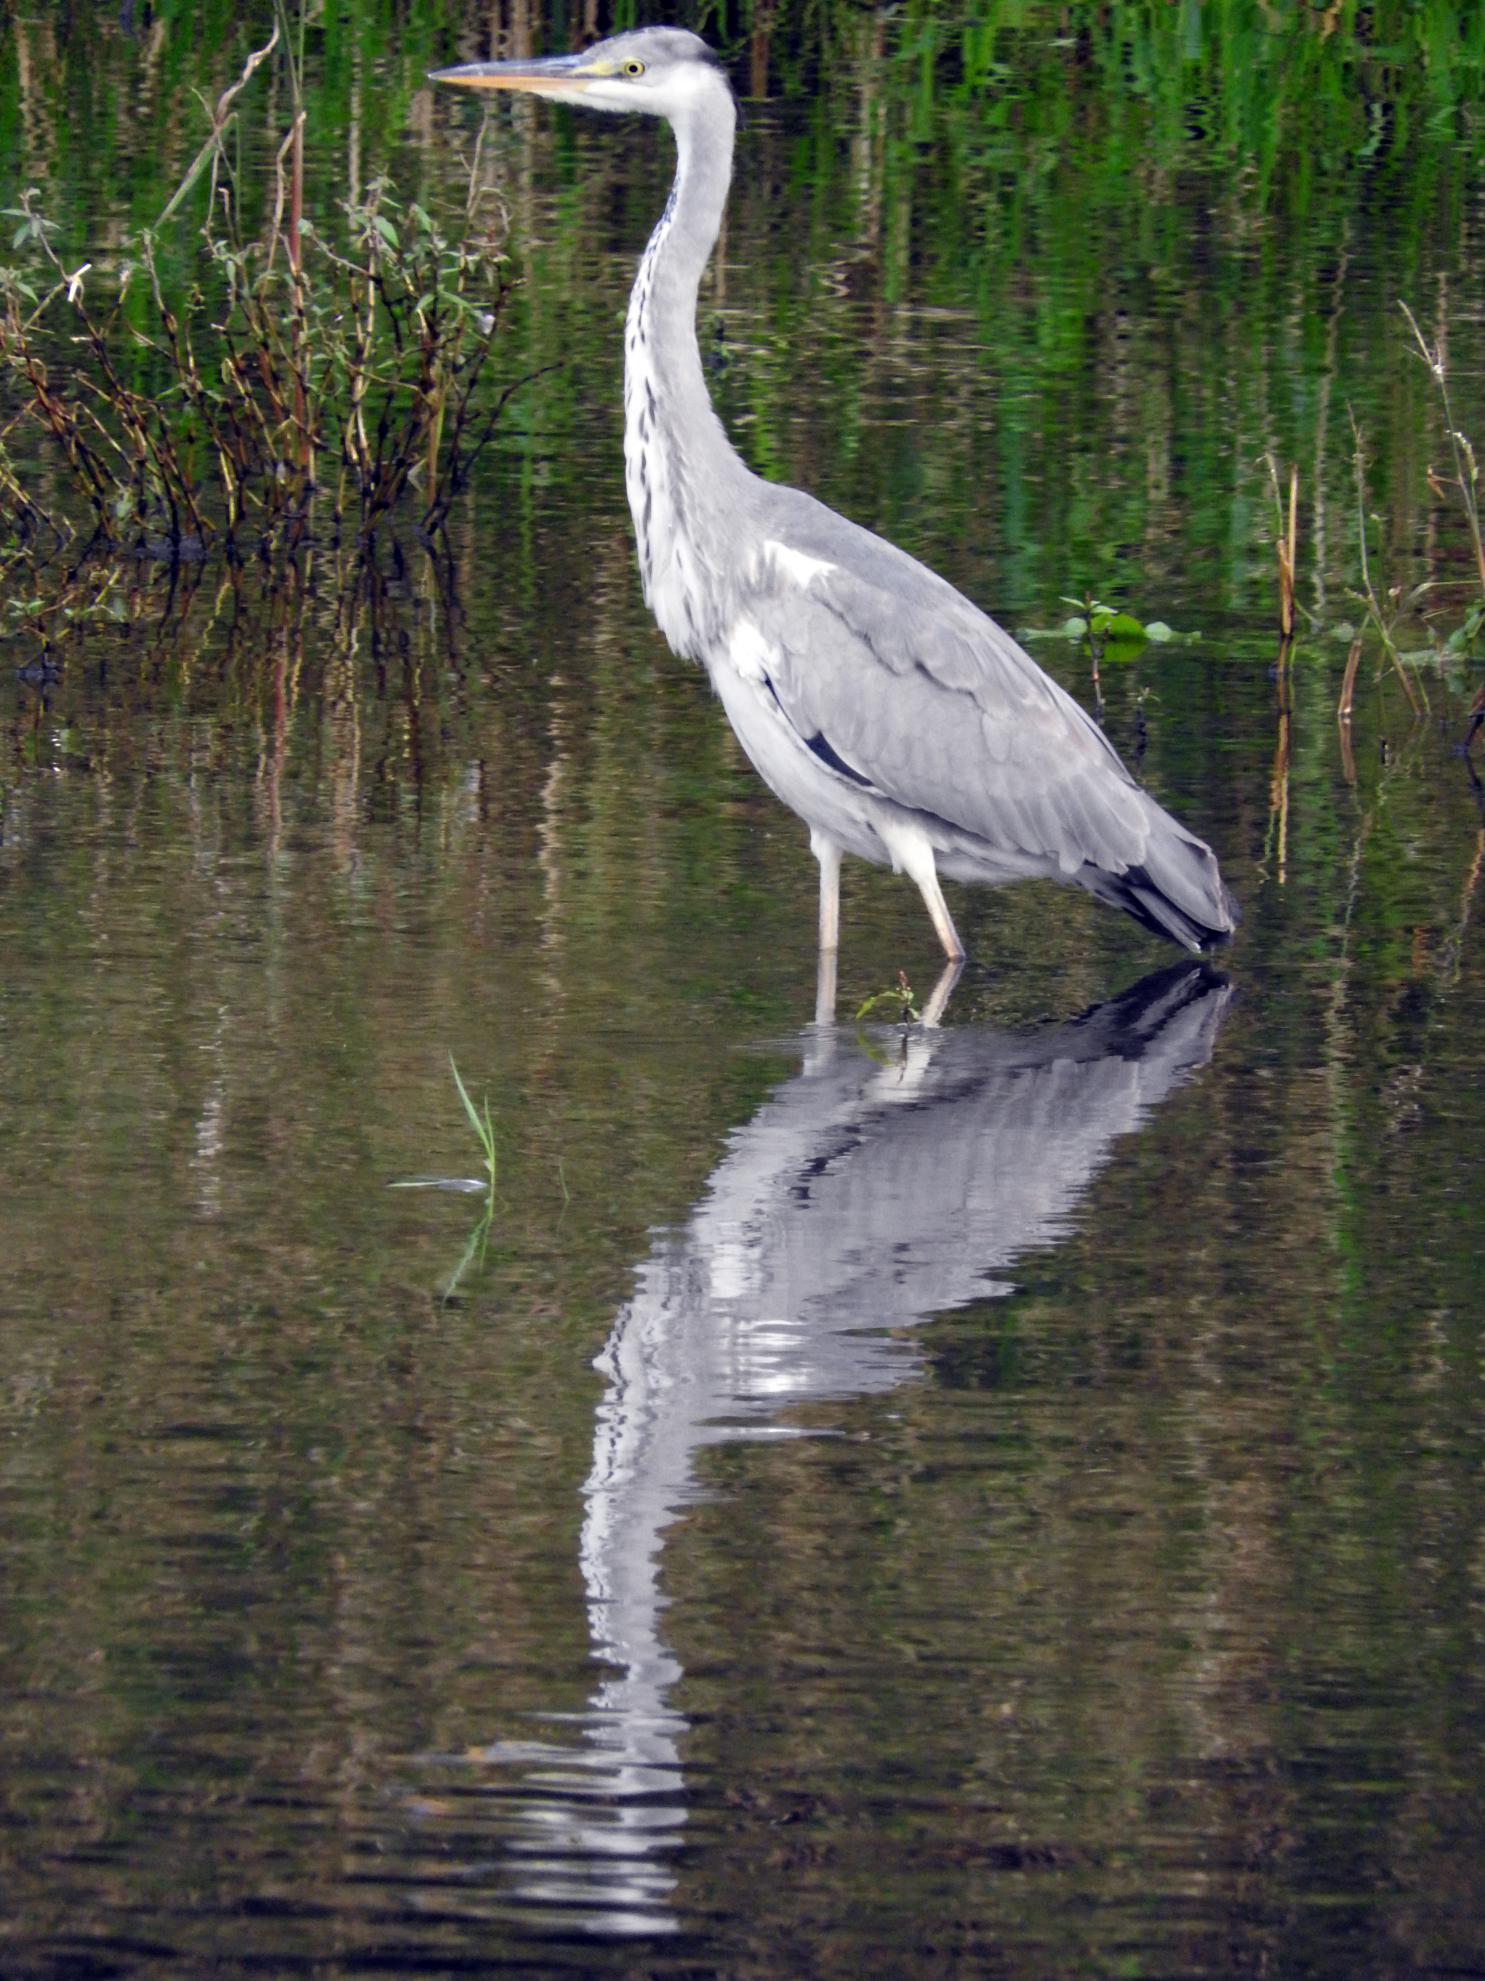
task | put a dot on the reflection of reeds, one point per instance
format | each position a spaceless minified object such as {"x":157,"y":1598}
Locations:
{"x":1381,"y":617}
{"x":1466,"y":469}
{"x":1466,"y":480}
{"x":1345,"y":705}
{"x":1451,"y":953}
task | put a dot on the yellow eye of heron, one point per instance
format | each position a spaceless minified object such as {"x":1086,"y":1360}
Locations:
{"x":632,"y":68}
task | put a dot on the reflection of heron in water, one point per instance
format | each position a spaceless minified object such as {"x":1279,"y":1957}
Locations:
{"x":902,"y":725}
{"x":861,"y":1197}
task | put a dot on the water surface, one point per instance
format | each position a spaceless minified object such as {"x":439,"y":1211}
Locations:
{"x":1005,"y":1501}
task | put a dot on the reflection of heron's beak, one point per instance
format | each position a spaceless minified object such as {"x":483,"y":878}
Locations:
{"x":546,"y":75}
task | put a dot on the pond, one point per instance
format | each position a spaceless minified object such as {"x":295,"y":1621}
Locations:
{"x":1002,"y":1499}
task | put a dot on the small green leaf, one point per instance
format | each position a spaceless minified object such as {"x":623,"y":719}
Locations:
{"x":1123,"y":626}
{"x":1157,"y":630}
{"x":385,"y":228}
{"x":898,"y":1004}
{"x":482,"y":1125}
{"x":1074,"y":629}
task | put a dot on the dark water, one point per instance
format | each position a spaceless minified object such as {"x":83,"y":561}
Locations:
{"x":1002,"y":1501}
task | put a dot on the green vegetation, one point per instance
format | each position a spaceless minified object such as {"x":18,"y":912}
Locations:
{"x":1106,"y":194}
{"x":1154,"y":247}
{"x":477,"y":1243}
{"x":896,"y":1005}
{"x":303,"y":355}
{"x":484,"y":1130}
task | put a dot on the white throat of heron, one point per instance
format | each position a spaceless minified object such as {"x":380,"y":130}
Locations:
{"x":679,"y":464}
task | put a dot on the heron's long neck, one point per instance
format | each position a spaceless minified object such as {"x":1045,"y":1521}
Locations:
{"x":681,"y":470}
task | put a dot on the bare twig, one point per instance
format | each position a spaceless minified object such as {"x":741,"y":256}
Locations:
{"x":220,"y":117}
{"x":1285,"y":543}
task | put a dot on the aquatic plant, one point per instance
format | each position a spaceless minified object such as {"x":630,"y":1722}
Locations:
{"x":1105,"y":632}
{"x":896,"y":1005}
{"x":1286,"y":542}
{"x":310,"y":381}
{"x":483,"y":1126}
{"x":484,"y":1129}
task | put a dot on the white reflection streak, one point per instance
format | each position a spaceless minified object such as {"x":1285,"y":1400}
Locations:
{"x":861,"y":1198}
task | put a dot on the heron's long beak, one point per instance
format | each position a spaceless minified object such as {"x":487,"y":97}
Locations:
{"x":547,"y":75}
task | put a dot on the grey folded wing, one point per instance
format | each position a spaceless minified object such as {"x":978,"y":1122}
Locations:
{"x":901,"y":683}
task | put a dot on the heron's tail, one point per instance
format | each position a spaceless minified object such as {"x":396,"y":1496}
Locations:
{"x":1176,"y":890}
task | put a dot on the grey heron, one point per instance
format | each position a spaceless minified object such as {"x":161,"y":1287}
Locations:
{"x":892,"y":715}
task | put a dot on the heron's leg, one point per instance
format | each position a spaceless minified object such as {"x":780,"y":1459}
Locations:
{"x":825,"y":986}
{"x":912,"y":855}
{"x":828,"y":854}
{"x":943,"y":921}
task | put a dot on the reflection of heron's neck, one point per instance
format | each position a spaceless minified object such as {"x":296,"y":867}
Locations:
{"x":679,"y":463}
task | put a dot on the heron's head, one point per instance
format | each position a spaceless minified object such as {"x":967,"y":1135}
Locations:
{"x":659,"y":70}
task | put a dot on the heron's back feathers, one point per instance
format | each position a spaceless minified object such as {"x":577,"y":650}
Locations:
{"x":907,"y":695}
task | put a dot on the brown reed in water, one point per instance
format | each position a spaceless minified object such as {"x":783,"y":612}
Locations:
{"x":368,"y":351}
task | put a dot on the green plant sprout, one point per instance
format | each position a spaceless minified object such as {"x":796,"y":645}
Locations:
{"x":1107,"y":631}
{"x":898,"y":1001}
{"x":483,"y":1127}
{"x":1111,"y":627}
